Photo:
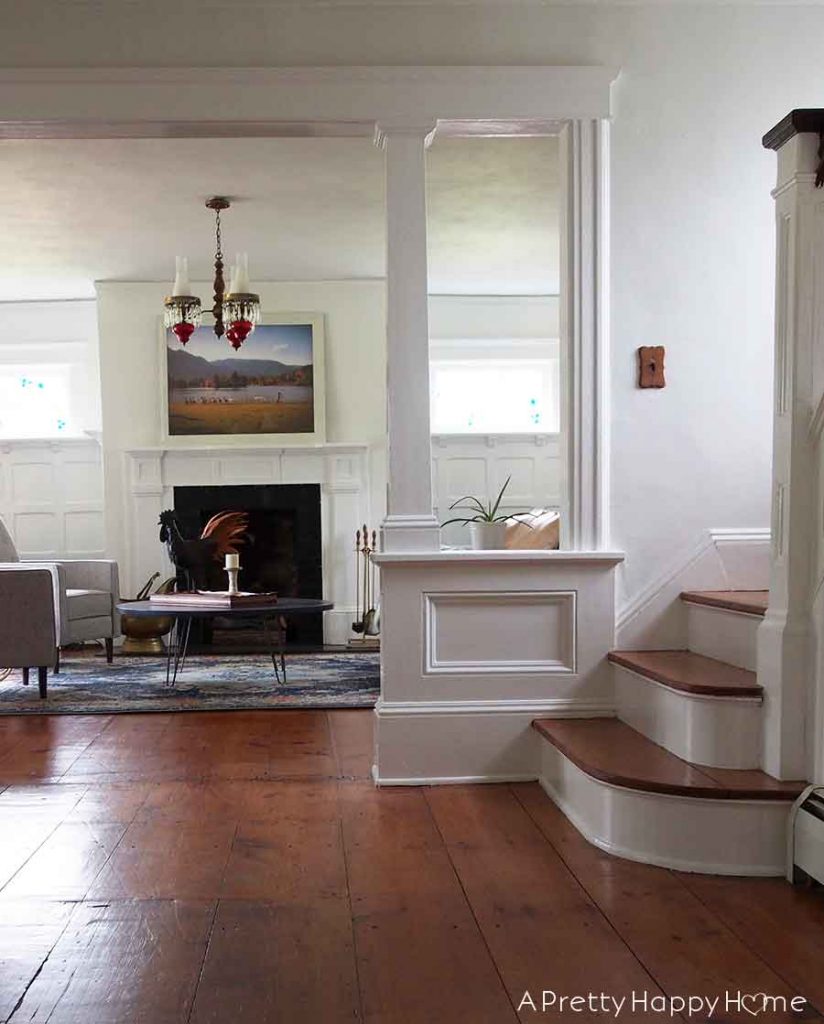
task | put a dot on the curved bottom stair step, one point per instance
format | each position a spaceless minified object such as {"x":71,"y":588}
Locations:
{"x":632,"y":798}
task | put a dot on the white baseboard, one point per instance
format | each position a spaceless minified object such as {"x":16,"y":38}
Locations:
{"x":553,"y":708}
{"x":453,"y":780}
{"x":441,"y":743}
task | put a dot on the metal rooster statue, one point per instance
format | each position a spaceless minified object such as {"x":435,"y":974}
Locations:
{"x":222,"y":535}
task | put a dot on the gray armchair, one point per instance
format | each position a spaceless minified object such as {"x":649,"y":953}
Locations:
{"x":28,"y":634}
{"x":84,"y":594}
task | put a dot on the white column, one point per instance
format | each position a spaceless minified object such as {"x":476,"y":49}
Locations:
{"x":786,"y":640}
{"x":409,"y":524}
{"x":585,"y":379}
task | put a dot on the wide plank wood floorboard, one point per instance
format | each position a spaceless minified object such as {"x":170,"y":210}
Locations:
{"x":204,"y":868}
{"x":352,"y":743}
{"x":121,"y":963}
{"x":420,"y":955}
{"x":781,"y":924}
{"x":542,"y":928}
{"x":269,"y":963}
{"x":29,"y":930}
{"x":682,"y":944}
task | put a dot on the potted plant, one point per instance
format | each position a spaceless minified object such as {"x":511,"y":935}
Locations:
{"x":487,"y":525}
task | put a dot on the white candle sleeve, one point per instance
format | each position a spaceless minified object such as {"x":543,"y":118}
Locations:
{"x":233,"y":561}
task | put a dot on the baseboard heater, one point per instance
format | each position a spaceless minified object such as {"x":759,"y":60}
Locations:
{"x":805,"y":844}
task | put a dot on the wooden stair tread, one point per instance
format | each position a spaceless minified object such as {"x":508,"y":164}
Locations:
{"x":750,"y":602}
{"x":609,"y":750}
{"x":690,"y":673}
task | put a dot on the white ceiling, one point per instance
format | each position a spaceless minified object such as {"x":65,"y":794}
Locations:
{"x":72,"y":212}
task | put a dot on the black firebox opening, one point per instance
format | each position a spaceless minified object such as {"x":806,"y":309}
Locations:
{"x":283,"y":553}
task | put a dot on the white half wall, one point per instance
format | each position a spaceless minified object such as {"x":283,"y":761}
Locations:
{"x":130,"y":366}
{"x":488,"y":642}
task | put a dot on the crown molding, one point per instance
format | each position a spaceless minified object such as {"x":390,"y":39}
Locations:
{"x":204,"y":102}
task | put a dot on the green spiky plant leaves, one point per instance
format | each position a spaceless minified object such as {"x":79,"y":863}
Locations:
{"x":478,"y":512}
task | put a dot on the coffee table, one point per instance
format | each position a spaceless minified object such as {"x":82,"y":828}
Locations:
{"x":182,"y":618}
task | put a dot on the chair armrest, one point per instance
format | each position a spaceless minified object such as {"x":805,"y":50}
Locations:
{"x":58,"y":579}
{"x":91,"y":574}
{"x":28,"y":630}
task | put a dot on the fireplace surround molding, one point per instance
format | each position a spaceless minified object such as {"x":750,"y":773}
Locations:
{"x":341,"y":471}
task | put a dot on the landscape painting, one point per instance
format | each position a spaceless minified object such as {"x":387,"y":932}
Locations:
{"x":267,"y":387}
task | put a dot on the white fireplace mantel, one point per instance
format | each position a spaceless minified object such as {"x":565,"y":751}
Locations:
{"x":341,"y":471}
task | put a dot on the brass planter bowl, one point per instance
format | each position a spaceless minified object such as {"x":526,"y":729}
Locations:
{"x":144,"y":633}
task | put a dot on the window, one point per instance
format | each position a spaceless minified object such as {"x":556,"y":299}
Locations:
{"x":494,"y":396}
{"x":34,"y":400}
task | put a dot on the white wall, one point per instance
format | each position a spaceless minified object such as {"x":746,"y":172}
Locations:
{"x":130,"y":366}
{"x":692,"y":234}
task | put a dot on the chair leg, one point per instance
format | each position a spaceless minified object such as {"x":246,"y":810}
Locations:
{"x":109,"y":649}
{"x":25,"y":677}
{"x":42,"y":675}
{"x":57,"y":663}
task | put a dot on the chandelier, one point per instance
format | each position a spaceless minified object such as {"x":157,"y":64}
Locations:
{"x":235,"y":312}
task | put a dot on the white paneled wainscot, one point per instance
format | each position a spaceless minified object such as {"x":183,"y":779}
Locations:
{"x":480,"y":464}
{"x":503,"y":637}
{"x":51,"y":497}
{"x":341,"y":470}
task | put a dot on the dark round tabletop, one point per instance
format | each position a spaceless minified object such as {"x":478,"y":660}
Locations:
{"x":284,"y":606}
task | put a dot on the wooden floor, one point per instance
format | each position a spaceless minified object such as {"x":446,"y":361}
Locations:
{"x":240,"y":868}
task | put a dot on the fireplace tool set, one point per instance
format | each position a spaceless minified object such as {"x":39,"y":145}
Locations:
{"x":367,"y":623}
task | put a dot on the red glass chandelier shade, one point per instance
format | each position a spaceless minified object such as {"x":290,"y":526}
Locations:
{"x":235,"y":313}
{"x":184,"y":331}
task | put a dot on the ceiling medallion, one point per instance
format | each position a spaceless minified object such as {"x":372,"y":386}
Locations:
{"x":235,"y":312}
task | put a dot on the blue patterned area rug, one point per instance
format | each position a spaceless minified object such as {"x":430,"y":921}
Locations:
{"x":219,"y":683}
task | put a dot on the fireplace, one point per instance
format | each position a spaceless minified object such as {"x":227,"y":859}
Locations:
{"x":283,"y":552}
{"x":339,"y":472}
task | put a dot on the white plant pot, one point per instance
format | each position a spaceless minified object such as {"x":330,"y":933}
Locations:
{"x":488,"y":536}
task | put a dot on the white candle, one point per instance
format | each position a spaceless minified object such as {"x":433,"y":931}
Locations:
{"x":233,"y":561}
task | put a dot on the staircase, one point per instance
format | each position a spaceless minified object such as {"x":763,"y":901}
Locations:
{"x":675,"y":779}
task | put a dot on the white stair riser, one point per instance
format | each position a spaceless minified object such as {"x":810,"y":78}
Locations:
{"x":722,"y":634}
{"x":722,"y":732}
{"x":720,"y":837}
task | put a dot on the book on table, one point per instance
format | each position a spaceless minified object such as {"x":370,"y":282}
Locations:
{"x":215,"y":599}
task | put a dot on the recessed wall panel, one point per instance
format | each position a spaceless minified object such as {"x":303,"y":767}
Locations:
{"x":84,"y":532}
{"x":36,"y":534}
{"x":33,"y":483}
{"x":487,"y":632}
{"x":82,"y":482}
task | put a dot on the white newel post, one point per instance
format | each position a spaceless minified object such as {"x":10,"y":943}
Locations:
{"x":786,"y":641}
{"x":410,"y":524}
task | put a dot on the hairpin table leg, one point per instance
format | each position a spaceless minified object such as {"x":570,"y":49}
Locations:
{"x":178,"y":645}
{"x":276,"y":651}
